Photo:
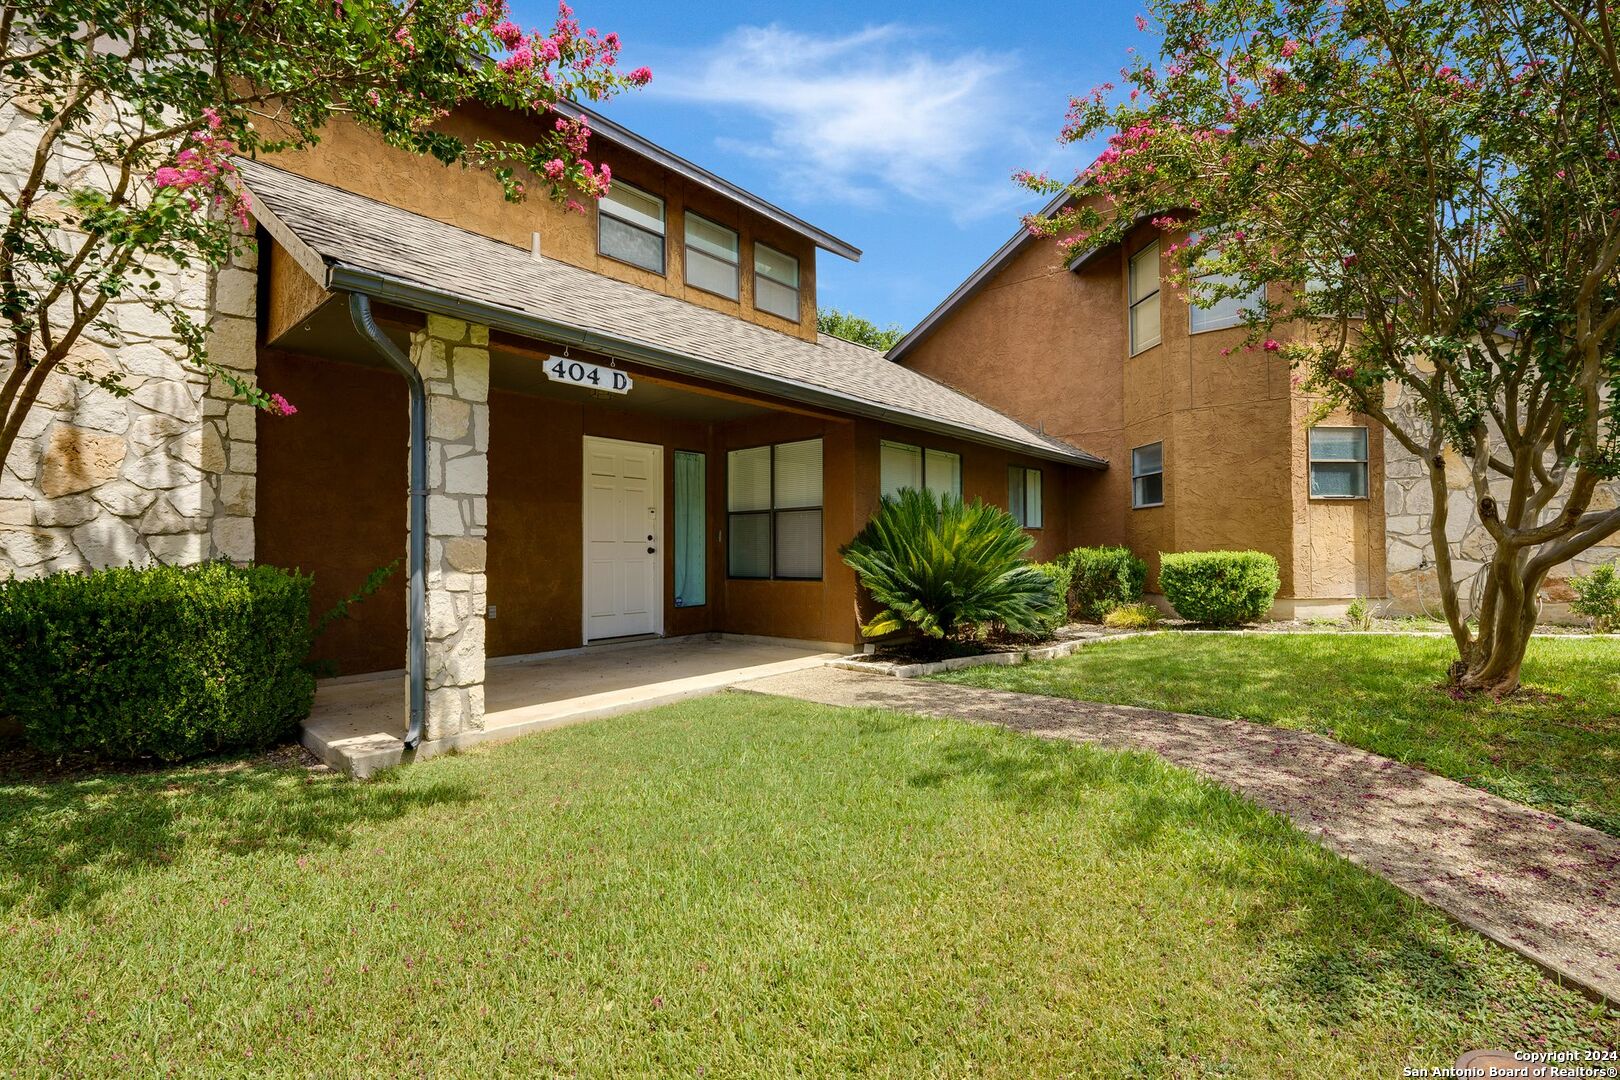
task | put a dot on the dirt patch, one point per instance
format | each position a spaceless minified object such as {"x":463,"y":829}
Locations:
{"x":21,"y":764}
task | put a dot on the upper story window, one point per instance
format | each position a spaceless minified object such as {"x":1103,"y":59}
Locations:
{"x":1147,"y":476}
{"x":773,"y":505}
{"x":1228,"y":310}
{"x":776,"y":282}
{"x":901,"y":465}
{"x":1338,"y":462}
{"x":630,"y":227}
{"x":711,"y":256}
{"x":1024,"y":496}
{"x":1144,"y":293}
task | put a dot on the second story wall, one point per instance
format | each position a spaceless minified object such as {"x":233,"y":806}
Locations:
{"x":353,"y":158}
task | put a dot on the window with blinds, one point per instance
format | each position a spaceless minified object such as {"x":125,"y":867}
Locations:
{"x":1147,"y":476}
{"x":776,"y":282}
{"x":1144,"y":298}
{"x":773,"y":505}
{"x":630,"y":227}
{"x":1338,"y":462}
{"x":711,"y":257}
{"x":1228,"y":310}
{"x":901,"y":465}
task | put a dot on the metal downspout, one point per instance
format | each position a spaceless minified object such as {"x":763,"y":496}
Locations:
{"x":416,"y":646}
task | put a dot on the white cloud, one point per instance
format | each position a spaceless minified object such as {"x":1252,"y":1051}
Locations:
{"x":861,"y":116}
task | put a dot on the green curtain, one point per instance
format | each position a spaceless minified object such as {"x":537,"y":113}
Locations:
{"x":691,"y":530}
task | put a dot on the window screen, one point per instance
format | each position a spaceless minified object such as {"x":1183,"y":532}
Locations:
{"x":1147,"y":475}
{"x":1338,"y":463}
{"x":773,"y":503}
{"x":630,"y":227}
{"x":711,"y":256}
{"x":901,"y":465}
{"x":691,"y":529}
{"x":1144,"y":297}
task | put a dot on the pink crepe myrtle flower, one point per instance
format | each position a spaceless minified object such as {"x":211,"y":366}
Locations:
{"x":507,"y":33}
{"x":1289,"y":49}
{"x":554,"y":169}
{"x":1141,"y":24}
{"x":280,"y":406}
{"x":1271,"y":345}
{"x":641,"y":76}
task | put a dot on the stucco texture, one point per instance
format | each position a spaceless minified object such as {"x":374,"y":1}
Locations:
{"x":1050,"y":346}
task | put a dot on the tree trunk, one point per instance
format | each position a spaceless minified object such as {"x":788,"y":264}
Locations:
{"x":1491,"y":663}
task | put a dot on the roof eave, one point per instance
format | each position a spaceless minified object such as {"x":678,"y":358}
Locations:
{"x":697,"y":174}
{"x":342,"y":278}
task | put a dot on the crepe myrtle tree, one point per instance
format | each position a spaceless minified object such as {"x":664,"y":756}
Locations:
{"x":1422,"y":201}
{"x":143,"y":104}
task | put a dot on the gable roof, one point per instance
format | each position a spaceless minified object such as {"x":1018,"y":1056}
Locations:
{"x":972,"y":284}
{"x":350,"y":243}
{"x":697,"y":174}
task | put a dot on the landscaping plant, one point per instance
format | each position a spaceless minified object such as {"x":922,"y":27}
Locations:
{"x":1359,"y":615}
{"x":1136,"y":616}
{"x":1415,"y":203}
{"x":1597,"y":596}
{"x":159,"y":662}
{"x":1103,"y":578}
{"x":940,"y":567}
{"x":140,"y":106}
{"x":1219,"y":588}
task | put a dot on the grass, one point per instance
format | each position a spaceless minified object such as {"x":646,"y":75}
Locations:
{"x":735,"y":886}
{"x":1556,"y":745}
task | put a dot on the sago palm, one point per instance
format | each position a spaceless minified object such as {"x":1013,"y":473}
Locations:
{"x":943,"y":566}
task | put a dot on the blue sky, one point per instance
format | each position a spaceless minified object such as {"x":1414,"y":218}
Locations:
{"x":894,"y":126}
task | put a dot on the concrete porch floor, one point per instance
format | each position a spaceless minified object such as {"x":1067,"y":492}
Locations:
{"x":358,"y":723}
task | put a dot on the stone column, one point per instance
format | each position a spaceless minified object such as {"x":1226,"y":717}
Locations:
{"x":453,"y":357}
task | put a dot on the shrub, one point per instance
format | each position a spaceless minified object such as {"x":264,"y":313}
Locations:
{"x":1137,"y":616}
{"x":1103,"y":578}
{"x":1222,"y":588}
{"x":941,"y":567}
{"x":1359,"y":615}
{"x":161,"y":662}
{"x":1597,"y":596}
{"x":1061,"y":574}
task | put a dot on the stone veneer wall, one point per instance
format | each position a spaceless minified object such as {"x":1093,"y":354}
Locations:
{"x":166,"y":473}
{"x":1409,"y":507}
{"x":453,"y":357}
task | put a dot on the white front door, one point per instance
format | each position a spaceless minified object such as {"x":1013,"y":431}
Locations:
{"x":624,"y":538}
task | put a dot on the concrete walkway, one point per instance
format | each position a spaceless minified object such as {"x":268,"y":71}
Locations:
{"x":1542,"y":886}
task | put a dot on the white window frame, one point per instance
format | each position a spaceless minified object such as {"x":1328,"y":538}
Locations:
{"x":604,"y":206}
{"x":1136,"y":474}
{"x":1023,"y":473}
{"x":798,"y":293}
{"x":1313,"y":460}
{"x":736,"y":263}
{"x":1133,"y":302}
{"x":1255,"y":297}
{"x":922,"y":459}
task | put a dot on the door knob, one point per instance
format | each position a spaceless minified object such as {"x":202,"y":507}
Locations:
{"x":652,"y":551}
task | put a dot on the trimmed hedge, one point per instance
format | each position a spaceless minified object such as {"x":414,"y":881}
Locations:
{"x":158,"y":662}
{"x":1221,"y":588}
{"x":1102,"y":579}
{"x":1061,"y":574}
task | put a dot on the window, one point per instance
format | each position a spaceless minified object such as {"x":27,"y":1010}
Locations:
{"x":691,"y":529}
{"x":630,"y":227}
{"x":1144,"y":286}
{"x":1227,"y":311}
{"x":1024,"y":495}
{"x":773,"y":502}
{"x":1147,"y":476}
{"x":711,"y":257}
{"x":776,"y":282}
{"x":904,"y":466}
{"x":1338,"y":463}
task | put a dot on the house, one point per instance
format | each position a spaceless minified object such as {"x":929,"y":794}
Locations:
{"x":629,"y":424}
{"x":1206,"y":438}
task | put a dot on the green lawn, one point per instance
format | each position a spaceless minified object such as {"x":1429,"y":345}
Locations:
{"x":1556,"y":745}
{"x":735,"y":886}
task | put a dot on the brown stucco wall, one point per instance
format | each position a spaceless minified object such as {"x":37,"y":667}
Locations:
{"x":331,"y":497}
{"x":1050,"y":346}
{"x":350,"y":157}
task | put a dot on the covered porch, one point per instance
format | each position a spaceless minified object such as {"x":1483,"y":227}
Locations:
{"x":355,"y":726}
